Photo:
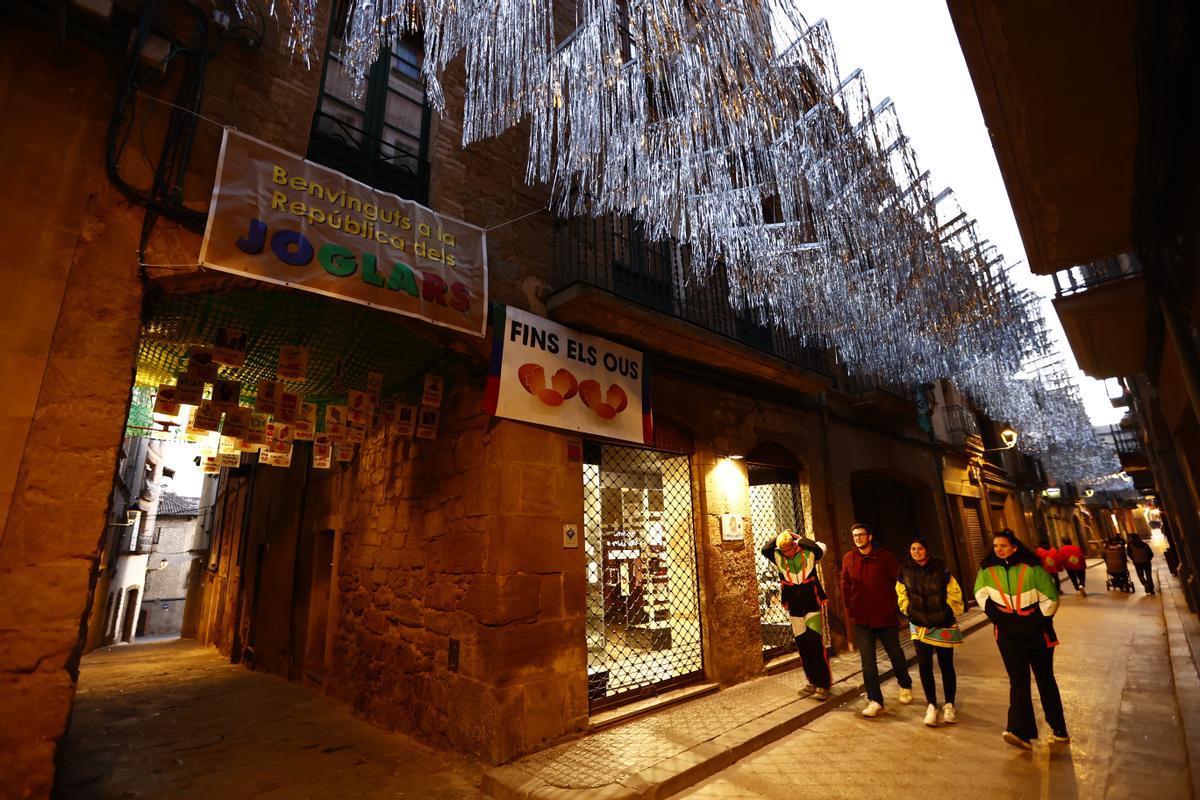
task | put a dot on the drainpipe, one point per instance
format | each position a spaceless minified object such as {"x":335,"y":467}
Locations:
{"x":941,"y":488}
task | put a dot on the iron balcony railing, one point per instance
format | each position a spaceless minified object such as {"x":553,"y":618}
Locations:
{"x":1097,"y":273}
{"x":961,"y":424}
{"x":613,"y":255}
{"x":389,"y":166}
{"x":1127,"y":442}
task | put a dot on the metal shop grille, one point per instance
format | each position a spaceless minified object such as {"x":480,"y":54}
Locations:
{"x":643,"y":618}
{"x":774,"y":506}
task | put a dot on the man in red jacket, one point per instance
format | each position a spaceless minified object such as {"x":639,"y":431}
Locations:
{"x":1072,"y":558}
{"x":869,"y":592}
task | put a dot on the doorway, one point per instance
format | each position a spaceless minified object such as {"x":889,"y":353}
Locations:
{"x":643,"y":603}
{"x":774,"y":507}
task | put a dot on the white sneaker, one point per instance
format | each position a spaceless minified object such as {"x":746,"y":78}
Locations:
{"x":872,"y":710}
{"x":820,"y":693}
{"x":905,"y":696}
{"x":931,"y":715}
{"x":1082,"y":592}
{"x":949,"y":715}
{"x":806,"y":690}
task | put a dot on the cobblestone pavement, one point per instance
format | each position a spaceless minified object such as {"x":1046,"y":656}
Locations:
{"x":1114,"y":670}
{"x":617,"y":753}
{"x":176,"y":720}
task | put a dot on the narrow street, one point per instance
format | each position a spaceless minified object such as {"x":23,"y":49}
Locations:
{"x":1113,"y":669}
{"x":175,"y":719}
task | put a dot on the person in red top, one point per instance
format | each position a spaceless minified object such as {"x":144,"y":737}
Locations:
{"x":1051,"y":562}
{"x":1072,"y":559}
{"x":869,"y":593}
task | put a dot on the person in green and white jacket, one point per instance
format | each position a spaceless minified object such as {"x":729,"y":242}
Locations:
{"x":1020,"y":599}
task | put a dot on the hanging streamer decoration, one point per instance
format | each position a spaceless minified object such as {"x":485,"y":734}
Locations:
{"x":762,"y":164}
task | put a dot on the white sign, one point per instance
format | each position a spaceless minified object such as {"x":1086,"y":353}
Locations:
{"x":731,"y":528}
{"x":551,"y":375}
{"x":570,"y":535}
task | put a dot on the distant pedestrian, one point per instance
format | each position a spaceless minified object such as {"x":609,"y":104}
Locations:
{"x":1075,"y":564}
{"x":795,"y":559}
{"x":930,"y":597}
{"x":1019,"y":598}
{"x":869,"y":592}
{"x":1141,"y":555}
{"x":1051,"y":562}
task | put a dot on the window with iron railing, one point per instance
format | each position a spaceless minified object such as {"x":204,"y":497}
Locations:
{"x":1097,"y":273}
{"x":960,"y":423}
{"x":1126,"y":442}
{"x":382,"y":137}
{"x":614,"y":254}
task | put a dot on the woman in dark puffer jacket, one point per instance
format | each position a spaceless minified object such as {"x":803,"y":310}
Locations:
{"x":930,"y":597}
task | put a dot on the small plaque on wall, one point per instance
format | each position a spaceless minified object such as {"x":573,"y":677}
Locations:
{"x":731,"y":528}
{"x":570,"y":535}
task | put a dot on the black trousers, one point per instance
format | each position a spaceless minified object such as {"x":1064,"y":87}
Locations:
{"x":865,"y":639}
{"x":814,"y":659}
{"x":1019,"y":660}
{"x":945,"y":659}
{"x":1078,"y":578}
{"x":1145,"y":576}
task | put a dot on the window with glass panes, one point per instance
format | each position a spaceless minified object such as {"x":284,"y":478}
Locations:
{"x":382,"y":137}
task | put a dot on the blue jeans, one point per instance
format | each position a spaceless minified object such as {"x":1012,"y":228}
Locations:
{"x":865,"y":639}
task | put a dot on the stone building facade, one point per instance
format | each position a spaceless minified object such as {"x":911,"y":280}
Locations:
{"x":425,"y":583}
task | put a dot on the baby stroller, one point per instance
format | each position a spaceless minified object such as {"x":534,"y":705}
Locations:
{"x":1117,"y":566}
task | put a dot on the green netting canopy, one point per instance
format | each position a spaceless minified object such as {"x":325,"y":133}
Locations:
{"x":345,"y":342}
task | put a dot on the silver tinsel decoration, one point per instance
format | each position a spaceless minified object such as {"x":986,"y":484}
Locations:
{"x":764,"y":165}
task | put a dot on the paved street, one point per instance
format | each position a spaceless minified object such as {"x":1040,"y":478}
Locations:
{"x":176,"y":720}
{"x":1114,"y":672}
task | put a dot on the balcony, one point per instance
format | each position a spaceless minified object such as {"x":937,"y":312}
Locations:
{"x":612,"y":280}
{"x":384,"y":165}
{"x":1130,"y":449}
{"x":1102,"y":306}
{"x":958,"y":426}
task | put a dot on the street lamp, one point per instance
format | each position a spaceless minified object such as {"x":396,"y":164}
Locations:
{"x":1008,"y":436}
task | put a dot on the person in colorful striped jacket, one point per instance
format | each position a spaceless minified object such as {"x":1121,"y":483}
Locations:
{"x":1020,"y":599}
{"x":795,"y":559}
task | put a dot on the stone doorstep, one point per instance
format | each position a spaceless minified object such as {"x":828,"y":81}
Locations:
{"x":1182,"y":645}
{"x":688,"y":768}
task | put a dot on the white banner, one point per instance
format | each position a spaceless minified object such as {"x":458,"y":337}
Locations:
{"x":551,"y":375}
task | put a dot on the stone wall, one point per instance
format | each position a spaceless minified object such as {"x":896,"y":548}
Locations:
{"x":456,"y":542}
{"x":72,"y":299}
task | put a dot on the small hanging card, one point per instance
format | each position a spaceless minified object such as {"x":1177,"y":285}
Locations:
{"x":344,"y":451}
{"x":432,"y":396}
{"x":230,"y":347}
{"x":427,"y":423}
{"x":226,"y":394}
{"x":209,"y":466}
{"x":207,"y":418}
{"x":166,"y":401}
{"x":237,"y":422}
{"x":257,"y":432}
{"x":201,"y":364}
{"x":387,"y":411}
{"x":356,"y":433}
{"x":406,"y":420}
{"x":229,"y":459}
{"x":375,"y":386}
{"x":359,"y":406}
{"x":289,"y":406}
{"x":306,"y":421}
{"x":267,"y":399}
{"x":322,"y":456}
{"x":293,"y":363}
{"x":189,"y":389}
{"x":335,"y":421}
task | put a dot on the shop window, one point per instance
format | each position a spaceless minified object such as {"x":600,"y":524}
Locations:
{"x":382,"y":137}
{"x":643,"y":608}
